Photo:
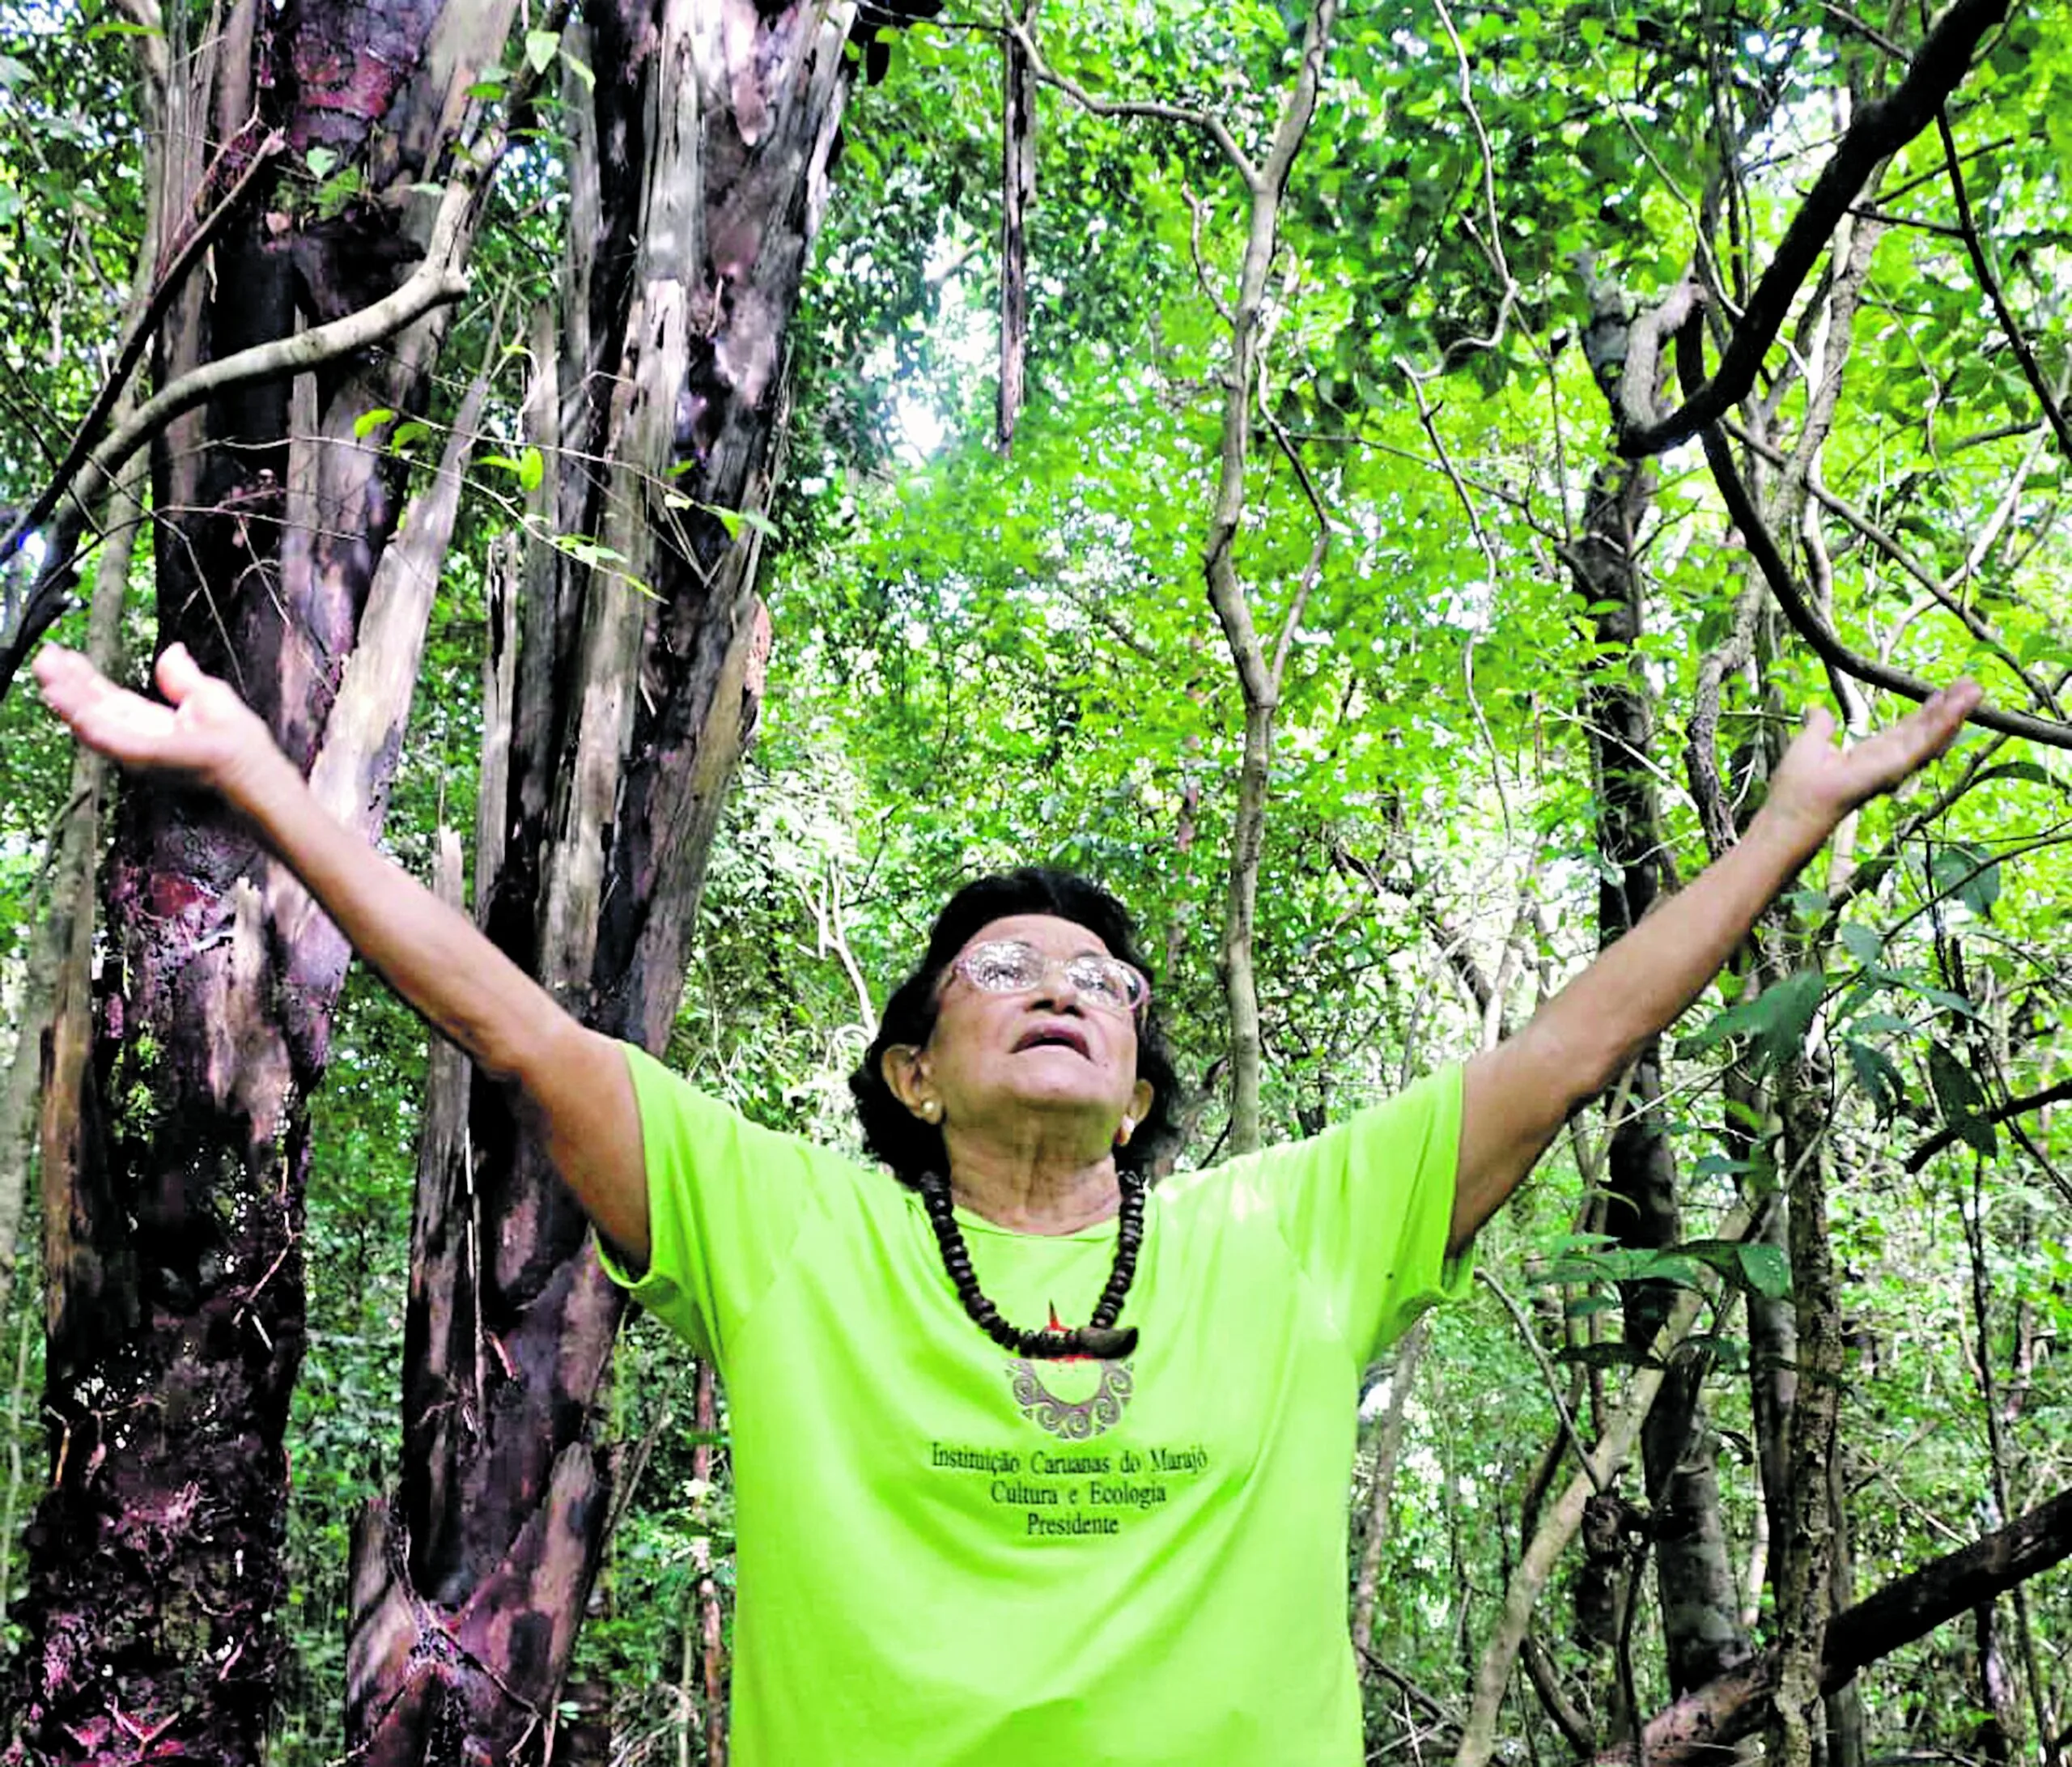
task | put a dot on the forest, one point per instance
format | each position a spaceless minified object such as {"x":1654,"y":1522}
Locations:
{"x":1377,"y":483}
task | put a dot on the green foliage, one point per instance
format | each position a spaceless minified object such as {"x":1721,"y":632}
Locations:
{"x":981,"y":661}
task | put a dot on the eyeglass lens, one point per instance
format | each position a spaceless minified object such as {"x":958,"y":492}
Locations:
{"x":1007,"y":965}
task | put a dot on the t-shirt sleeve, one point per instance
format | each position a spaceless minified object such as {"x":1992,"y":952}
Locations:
{"x":726,"y":1199}
{"x":1366,"y":1207}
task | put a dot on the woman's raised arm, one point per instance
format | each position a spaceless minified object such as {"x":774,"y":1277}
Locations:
{"x":1518,"y":1095}
{"x":572,"y":1081}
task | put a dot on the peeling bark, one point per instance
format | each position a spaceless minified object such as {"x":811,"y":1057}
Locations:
{"x":697,"y":176}
{"x":176,"y":1322}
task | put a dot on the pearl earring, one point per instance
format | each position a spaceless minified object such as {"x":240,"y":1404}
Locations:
{"x":932,"y":1110}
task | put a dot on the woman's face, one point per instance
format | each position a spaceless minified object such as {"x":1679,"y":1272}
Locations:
{"x":1049,"y":1049}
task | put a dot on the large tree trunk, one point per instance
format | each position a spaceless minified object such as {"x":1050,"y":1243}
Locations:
{"x":176,"y":1298}
{"x":699,"y":171}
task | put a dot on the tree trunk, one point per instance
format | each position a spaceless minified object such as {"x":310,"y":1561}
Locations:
{"x":1802,"y":1560}
{"x":1388,"y":1446}
{"x":175,"y":1298}
{"x":1694,"y":1582}
{"x":699,"y":171}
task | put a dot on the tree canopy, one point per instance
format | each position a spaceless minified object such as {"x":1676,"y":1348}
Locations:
{"x":1457,"y":441}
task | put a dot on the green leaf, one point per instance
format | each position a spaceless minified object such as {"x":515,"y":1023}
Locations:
{"x":1971,"y":873}
{"x":320,"y":161}
{"x":1948,"y":1001}
{"x":1766,"y":1269}
{"x":532,"y":470}
{"x":368,"y":421}
{"x":1776,"y":1021}
{"x":1878,"y":1077}
{"x":2027,"y":771}
{"x":1865,"y":944}
{"x":1959,"y":1099}
{"x":540,"y":46}
{"x":580,"y":70}
{"x":1606,"y":1356}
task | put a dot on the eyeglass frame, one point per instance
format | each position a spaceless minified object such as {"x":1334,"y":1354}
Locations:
{"x":1130,"y":1008}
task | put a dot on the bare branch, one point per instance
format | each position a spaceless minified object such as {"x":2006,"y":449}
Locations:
{"x":1195,"y":207}
{"x":1532,"y":1344}
{"x":436,"y":281}
{"x":1880,"y":130}
{"x":1212,"y":127}
{"x":1762,"y":548}
{"x":185,"y":254}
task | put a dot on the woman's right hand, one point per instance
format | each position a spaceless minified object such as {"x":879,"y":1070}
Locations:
{"x":205,"y":735}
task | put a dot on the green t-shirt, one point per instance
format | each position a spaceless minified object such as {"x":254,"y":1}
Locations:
{"x":952,"y":1557}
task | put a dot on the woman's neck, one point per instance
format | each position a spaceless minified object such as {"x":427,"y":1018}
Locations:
{"x":1027,"y":1193}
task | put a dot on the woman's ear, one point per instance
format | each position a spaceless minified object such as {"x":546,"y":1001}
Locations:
{"x":1140,"y":1099}
{"x":905,"y":1069}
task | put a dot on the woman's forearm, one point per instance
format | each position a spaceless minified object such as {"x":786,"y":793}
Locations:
{"x":1642,"y":984}
{"x":573,"y":1081}
{"x":432,"y":954}
{"x":1516,"y":1096}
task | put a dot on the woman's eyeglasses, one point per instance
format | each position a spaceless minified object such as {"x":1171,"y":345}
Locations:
{"x":1010,"y":965}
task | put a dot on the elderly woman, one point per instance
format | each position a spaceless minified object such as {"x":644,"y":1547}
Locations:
{"x":1036,"y":1466}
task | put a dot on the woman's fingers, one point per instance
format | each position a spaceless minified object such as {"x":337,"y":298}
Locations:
{"x":1904,"y":748}
{"x":177,"y":673}
{"x":125,"y":727}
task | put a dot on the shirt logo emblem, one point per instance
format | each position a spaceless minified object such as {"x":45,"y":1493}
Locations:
{"x":1074,"y":1398}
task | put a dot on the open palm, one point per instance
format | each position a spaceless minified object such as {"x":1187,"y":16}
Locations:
{"x":204,"y":734}
{"x":1819,"y":783}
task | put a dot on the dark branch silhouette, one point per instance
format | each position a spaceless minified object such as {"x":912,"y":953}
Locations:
{"x":1702,"y":1726}
{"x":1880,"y":130}
{"x":1762,"y":548}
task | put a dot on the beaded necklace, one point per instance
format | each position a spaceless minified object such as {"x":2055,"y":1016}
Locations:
{"x":1099,"y":1337}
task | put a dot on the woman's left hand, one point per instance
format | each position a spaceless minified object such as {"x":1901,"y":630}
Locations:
{"x":1817,"y":784}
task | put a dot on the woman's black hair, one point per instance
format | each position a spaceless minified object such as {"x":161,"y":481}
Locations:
{"x":911,"y":1147}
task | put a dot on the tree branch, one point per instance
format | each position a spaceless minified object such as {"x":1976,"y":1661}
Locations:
{"x":1700,"y":1727}
{"x":1532,"y":1344}
{"x":1942,"y":589}
{"x":186,"y":252}
{"x":1880,"y":130}
{"x":2014,"y":1107}
{"x":1536,"y":1564}
{"x":1990,"y":283}
{"x":1212,"y":127}
{"x":436,"y":281}
{"x":1762,"y":548}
